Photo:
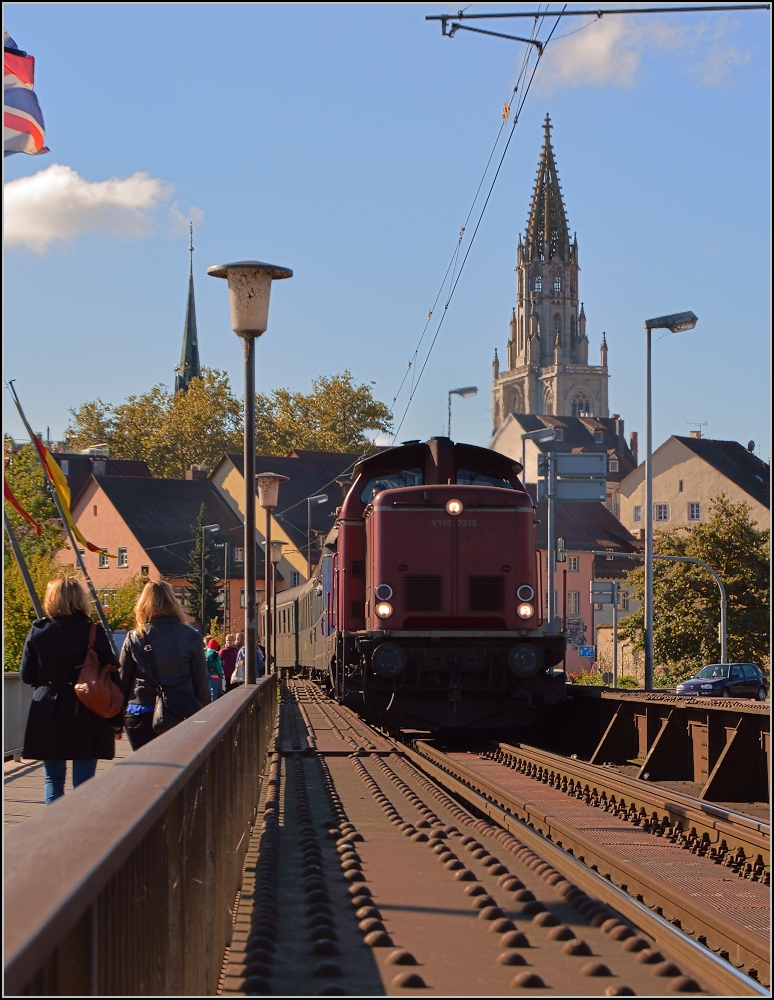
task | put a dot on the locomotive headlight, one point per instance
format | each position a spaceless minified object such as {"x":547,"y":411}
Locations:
{"x":525,"y":611}
{"x":454,"y":507}
{"x":383,"y":609}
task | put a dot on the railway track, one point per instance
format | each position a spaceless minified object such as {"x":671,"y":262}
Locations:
{"x":375,"y":870}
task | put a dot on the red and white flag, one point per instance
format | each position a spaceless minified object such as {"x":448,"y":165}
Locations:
{"x":23,"y":129}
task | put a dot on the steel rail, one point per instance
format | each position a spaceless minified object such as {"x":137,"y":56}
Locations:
{"x":629,"y":887}
{"x":736,"y":829}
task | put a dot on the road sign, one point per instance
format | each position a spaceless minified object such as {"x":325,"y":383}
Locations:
{"x":580,"y":464}
{"x":603,"y":592}
{"x":586,"y":651}
{"x":575,"y":489}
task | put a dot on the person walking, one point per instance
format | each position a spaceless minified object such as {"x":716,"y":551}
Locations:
{"x":59,"y":726}
{"x":239,"y":670}
{"x":215,"y":668}
{"x":175,"y":660}
{"x":228,"y":655}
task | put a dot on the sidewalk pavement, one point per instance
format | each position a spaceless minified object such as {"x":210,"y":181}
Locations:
{"x":23,"y":784}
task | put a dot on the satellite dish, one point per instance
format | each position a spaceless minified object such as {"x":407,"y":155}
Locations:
{"x":751,"y":446}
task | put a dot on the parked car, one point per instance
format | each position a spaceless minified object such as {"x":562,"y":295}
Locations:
{"x":727,"y":680}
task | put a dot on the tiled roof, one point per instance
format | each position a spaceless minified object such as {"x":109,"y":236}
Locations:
{"x":162,"y":515}
{"x":578,"y":436}
{"x":736,"y":463}
{"x":309,"y":473}
{"x":583,"y":526}
{"x":81,"y":467}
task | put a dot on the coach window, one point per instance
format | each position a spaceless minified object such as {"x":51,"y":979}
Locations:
{"x":469,"y":477}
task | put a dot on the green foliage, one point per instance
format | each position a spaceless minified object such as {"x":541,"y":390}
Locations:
{"x":18,"y":612}
{"x":173,"y":431}
{"x":686,"y":598}
{"x":333,"y":417}
{"x":212,"y":587}
{"x":628,"y":682}
{"x":587,"y":680}
{"x":669,"y":675}
{"x":118,"y":604}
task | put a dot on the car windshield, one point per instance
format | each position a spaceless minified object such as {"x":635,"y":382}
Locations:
{"x":714,"y":670}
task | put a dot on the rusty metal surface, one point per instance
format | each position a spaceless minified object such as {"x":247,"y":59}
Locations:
{"x":365,"y":877}
{"x":740,"y":705}
{"x":126,"y":887}
{"x":733,"y":914}
{"x":740,"y":842}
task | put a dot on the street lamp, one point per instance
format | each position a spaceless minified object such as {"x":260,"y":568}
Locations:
{"x":676,"y":323}
{"x":268,"y":484}
{"x":465,"y":392}
{"x":320,"y":498}
{"x":276,"y":556}
{"x":541,"y":435}
{"x":249,"y":286}
{"x":205,"y":527}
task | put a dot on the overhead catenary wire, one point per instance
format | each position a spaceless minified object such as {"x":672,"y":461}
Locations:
{"x":481,"y":214}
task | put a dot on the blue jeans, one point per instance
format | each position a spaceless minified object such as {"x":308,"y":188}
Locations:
{"x":215,"y":687}
{"x":55,"y":771}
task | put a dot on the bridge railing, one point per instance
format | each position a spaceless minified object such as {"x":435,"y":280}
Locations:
{"x":126,"y":887}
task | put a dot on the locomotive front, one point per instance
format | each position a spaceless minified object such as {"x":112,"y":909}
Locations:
{"x":452,"y":632}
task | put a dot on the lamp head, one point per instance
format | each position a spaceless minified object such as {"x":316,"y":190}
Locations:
{"x":465,"y":391}
{"x":268,"y":484}
{"x":249,"y":285}
{"x":320,"y":498}
{"x":210,"y":527}
{"x":276,"y":551}
{"x":675,"y":323}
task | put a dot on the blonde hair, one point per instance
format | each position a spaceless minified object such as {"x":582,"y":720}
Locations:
{"x":66,"y":596}
{"x":156,"y":599}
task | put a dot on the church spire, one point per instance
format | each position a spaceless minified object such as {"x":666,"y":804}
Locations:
{"x":547,"y":229}
{"x":189,"y":359}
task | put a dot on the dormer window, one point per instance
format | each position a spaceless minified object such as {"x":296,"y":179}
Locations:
{"x":598,"y":437}
{"x":559,"y":434}
{"x":612,"y":465}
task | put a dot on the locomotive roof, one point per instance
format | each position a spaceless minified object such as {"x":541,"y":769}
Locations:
{"x":418,"y":452}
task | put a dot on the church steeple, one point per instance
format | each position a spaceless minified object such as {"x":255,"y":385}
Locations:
{"x":548,"y":234}
{"x":189,"y":359}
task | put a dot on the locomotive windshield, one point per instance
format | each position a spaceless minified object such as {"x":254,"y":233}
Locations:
{"x":468,"y":477}
{"x":391,"y":480}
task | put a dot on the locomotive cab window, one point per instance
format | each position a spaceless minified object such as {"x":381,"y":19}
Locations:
{"x":469,"y":477}
{"x":391,"y":480}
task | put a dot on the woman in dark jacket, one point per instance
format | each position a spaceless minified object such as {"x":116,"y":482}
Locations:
{"x":175,"y":660}
{"x":59,"y":726}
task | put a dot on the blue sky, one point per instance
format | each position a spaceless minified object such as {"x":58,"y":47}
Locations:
{"x":347,"y":142}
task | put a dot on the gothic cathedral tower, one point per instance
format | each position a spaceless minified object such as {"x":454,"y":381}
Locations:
{"x":548,"y":371}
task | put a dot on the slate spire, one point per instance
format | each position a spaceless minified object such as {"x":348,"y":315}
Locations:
{"x":189,"y":359}
{"x":548,"y":235}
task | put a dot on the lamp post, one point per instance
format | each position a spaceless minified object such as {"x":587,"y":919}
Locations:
{"x":676,"y":323}
{"x":249,"y":287}
{"x":205,"y":527}
{"x":465,"y":392}
{"x":543,"y":434}
{"x":276,"y":556}
{"x":268,"y":484}
{"x":320,"y":498}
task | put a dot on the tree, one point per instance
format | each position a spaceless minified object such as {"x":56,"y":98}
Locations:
{"x":686,"y":599}
{"x":212,"y":582}
{"x":118,"y":604}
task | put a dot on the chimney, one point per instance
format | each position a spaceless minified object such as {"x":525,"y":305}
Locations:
{"x":633,"y":446}
{"x":695,"y":434}
{"x":619,"y":426}
{"x":197,"y":472}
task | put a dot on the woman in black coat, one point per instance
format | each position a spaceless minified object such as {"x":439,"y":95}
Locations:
{"x":59,"y":726}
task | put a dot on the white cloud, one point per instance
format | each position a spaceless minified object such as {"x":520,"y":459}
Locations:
{"x":609,"y":52}
{"x":57,"y":204}
{"x":181,"y":220}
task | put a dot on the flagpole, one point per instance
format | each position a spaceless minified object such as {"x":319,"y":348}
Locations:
{"x":55,"y":498}
{"x":23,"y":569}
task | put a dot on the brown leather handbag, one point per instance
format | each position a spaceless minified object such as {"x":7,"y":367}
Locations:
{"x":95,"y":687}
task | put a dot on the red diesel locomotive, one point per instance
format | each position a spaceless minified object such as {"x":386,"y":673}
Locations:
{"x":426,"y":608}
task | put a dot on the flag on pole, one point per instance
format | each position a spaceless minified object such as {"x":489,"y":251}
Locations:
{"x":11,"y":498}
{"x":60,"y":484}
{"x":22,"y":117}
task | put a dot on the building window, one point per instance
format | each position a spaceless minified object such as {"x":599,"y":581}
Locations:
{"x":679,"y":486}
{"x":598,"y":437}
{"x":612,"y":465}
{"x":581,"y":405}
{"x":623,"y":600}
{"x":538,"y":286}
{"x":144,"y":570}
{"x":573,"y":564}
{"x":694,"y":512}
{"x":242,"y":597}
{"x":95,"y":510}
{"x":661,"y":512}
{"x":638,"y":513}
{"x":239,"y":554}
{"x":65,"y":466}
{"x":558,"y":434}
{"x":557,"y":284}
{"x":123,"y":558}
{"x":180,"y":595}
{"x":103,"y":562}
{"x":295,"y":578}
{"x":573,"y":602}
